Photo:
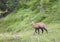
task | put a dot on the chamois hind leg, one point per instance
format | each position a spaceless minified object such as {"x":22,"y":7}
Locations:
{"x":42,"y":30}
{"x":45,"y":30}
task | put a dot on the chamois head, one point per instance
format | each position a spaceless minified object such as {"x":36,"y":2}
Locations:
{"x":32,"y":22}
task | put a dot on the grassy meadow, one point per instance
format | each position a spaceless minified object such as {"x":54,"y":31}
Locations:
{"x":16,"y":27}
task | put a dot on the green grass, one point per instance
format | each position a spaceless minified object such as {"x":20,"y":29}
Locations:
{"x":16,"y":27}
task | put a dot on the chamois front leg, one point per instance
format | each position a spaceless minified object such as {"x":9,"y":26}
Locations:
{"x":35,"y":31}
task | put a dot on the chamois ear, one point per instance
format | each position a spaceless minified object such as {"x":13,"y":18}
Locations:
{"x":30,"y":20}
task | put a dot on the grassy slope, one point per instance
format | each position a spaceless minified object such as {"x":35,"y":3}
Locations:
{"x":16,"y":27}
{"x":28,"y":36}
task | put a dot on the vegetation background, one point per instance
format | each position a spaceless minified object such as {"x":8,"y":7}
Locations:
{"x":15,"y":15}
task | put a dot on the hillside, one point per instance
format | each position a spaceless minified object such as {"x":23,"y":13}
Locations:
{"x":16,"y":27}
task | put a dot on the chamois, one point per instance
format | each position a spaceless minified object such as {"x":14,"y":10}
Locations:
{"x":39,"y":25}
